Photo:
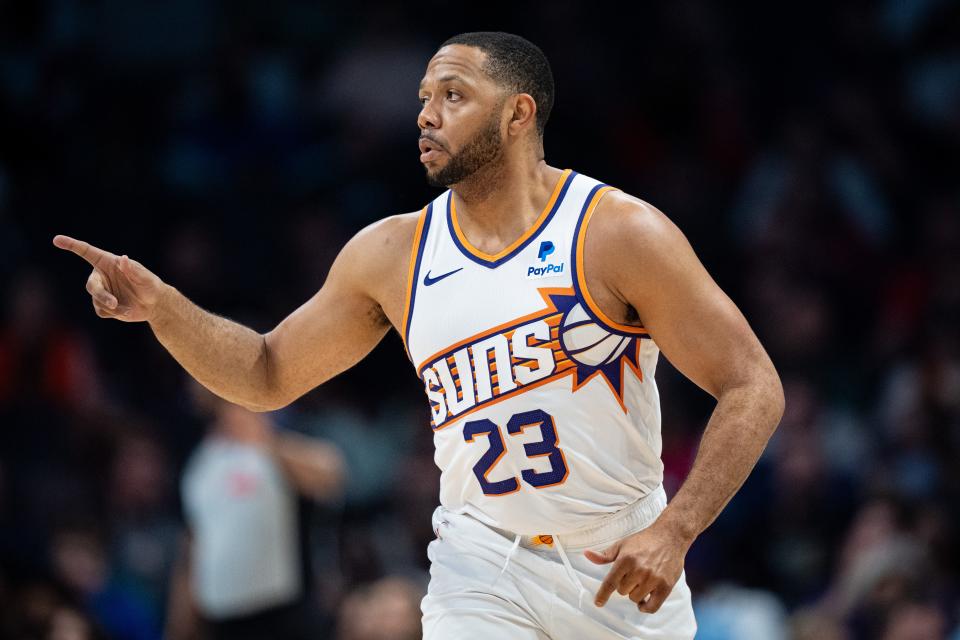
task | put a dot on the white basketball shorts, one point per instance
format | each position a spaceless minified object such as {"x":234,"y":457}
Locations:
{"x":485,"y":584}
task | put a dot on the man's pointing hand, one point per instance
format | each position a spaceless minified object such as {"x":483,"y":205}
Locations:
{"x":119,"y":287}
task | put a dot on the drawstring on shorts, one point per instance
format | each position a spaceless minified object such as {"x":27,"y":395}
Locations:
{"x":615,"y":526}
{"x":570,"y":572}
{"x":581,"y":590}
{"x":506,"y":562}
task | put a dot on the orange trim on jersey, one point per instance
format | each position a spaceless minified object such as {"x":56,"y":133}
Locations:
{"x":562,"y":370}
{"x":581,"y":276}
{"x":563,"y":365}
{"x":411,"y":269}
{"x":556,"y":375}
{"x":519,"y":241}
{"x":535,"y":315}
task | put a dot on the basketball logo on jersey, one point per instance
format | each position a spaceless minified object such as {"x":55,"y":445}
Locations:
{"x":562,"y":339}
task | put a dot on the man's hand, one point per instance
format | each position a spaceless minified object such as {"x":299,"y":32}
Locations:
{"x":120,"y":288}
{"x":646,"y":566}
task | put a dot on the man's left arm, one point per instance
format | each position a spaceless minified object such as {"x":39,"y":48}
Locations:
{"x":636,"y":257}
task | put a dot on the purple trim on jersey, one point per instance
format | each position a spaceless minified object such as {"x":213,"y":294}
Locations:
{"x":416,"y":278}
{"x":493,"y":264}
{"x":574,"y":275}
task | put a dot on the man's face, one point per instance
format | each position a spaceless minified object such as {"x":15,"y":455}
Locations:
{"x":460,"y":120}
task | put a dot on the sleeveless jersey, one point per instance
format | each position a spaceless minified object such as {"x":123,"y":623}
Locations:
{"x":545,"y":413}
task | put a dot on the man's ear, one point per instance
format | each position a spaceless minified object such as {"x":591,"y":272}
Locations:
{"x":524,"y":113}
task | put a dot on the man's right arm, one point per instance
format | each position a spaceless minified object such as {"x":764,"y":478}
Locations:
{"x":329,"y":333}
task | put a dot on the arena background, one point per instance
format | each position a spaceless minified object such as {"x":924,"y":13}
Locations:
{"x":808,"y":150}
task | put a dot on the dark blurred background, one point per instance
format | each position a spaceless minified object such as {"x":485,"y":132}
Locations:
{"x":808,"y":150}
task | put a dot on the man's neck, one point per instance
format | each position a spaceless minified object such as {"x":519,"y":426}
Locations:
{"x":498,"y":204}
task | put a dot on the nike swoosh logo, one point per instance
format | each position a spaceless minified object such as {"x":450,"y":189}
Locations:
{"x":427,"y":280}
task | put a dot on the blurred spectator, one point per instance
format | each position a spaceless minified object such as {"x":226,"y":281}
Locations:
{"x":41,"y":360}
{"x":728,"y":612}
{"x":915,"y":621}
{"x":245,"y":570}
{"x":813,"y":624}
{"x":69,"y":624}
{"x":144,"y":531}
{"x":80,"y":561}
{"x":42,"y":611}
{"x":388,"y":609}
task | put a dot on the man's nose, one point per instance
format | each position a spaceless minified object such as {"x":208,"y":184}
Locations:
{"x":428,"y":118}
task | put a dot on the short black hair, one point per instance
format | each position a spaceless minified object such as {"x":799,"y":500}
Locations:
{"x":515,"y":63}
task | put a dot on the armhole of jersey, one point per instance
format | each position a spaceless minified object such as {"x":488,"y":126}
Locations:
{"x":579,"y":276}
{"x":413,"y":271}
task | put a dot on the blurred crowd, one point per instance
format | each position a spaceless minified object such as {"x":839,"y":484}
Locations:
{"x":808,"y":150}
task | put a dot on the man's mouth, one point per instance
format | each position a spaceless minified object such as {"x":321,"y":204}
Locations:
{"x":429,"y":150}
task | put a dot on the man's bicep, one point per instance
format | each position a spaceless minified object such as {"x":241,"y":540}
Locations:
{"x":695,"y":324}
{"x":329,"y":333}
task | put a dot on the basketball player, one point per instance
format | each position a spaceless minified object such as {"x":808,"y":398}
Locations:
{"x":533,"y":303}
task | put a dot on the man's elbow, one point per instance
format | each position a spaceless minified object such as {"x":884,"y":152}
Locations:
{"x":262,"y":399}
{"x":263,"y":407}
{"x":760,"y":386}
{"x":267,"y":399}
{"x":772,"y":394}
{"x":270,"y":394}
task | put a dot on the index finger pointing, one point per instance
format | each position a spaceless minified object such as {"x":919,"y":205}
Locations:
{"x":609,"y":585}
{"x":85,"y":250}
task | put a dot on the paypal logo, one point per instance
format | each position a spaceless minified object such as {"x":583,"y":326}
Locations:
{"x":545,"y":271}
{"x":546,"y":248}
{"x":548,"y":270}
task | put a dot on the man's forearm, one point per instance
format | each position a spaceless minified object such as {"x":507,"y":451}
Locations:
{"x":742,"y":423}
{"x":224,"y":356}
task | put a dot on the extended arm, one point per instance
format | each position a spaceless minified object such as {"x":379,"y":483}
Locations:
{"x":329,"y":333}
{"x":648,"y":265}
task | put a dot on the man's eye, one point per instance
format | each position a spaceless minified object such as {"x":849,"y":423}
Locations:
{"x":453,"y":95}
{"x":423,"y":101}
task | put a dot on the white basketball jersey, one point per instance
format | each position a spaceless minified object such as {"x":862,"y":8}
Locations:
{"x":545,"y":412}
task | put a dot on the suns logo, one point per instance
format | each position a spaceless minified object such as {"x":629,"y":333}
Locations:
{"x":586,"y":342}
{"x":562,"y":339}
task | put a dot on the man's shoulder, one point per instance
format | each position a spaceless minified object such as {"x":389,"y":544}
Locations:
{"x":622,"y":217}
{"x":391,"y":228}
{"x":376,"y":257}
{"x":387,"y":239}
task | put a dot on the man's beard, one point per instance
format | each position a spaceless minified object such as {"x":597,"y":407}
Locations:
{"x":484,"y":148}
